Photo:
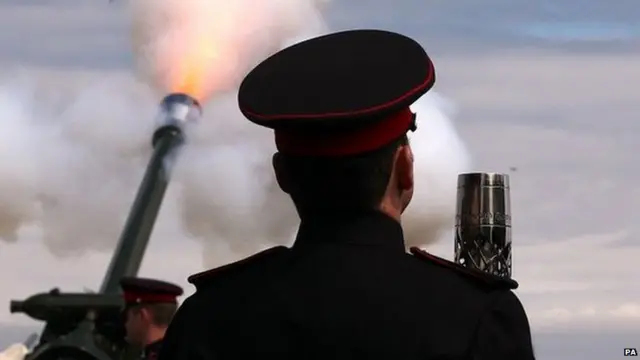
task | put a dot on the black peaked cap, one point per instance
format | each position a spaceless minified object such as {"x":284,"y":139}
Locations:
{"x":340,"y":80}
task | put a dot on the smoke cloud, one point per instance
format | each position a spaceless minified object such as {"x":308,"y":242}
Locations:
{"x":440,"y":155}
{"x":204,"y":46}
{"x":70,"y":165}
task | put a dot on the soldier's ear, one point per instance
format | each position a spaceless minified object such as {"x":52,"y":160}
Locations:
{"x":404,"y":167}
{"x":282,"y":174}
{"x":145,"y":314}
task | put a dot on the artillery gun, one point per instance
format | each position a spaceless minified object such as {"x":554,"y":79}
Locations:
{"x":89,"y":326}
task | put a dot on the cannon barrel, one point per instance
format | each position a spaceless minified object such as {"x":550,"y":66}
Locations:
{"x":176,"y":110}
{"x":16,"y":306}
{"x":46,"y":306}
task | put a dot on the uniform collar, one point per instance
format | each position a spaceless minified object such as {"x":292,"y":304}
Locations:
{"x":151,"y":350}
{"x":372,"y":228}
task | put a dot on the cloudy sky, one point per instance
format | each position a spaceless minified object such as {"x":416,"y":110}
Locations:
{"x":545,"y":86}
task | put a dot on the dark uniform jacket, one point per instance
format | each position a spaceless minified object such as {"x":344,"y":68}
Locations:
{"x":347,"y":289}
{"x":152,"y":351}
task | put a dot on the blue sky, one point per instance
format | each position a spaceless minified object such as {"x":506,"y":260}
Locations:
{"x":546,"y":86}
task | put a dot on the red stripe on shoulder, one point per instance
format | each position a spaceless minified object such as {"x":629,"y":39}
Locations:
{"x":200,"y":278}
{"x":487,"y":279}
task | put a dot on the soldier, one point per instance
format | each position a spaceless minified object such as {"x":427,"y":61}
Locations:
{"x":347,"y":288}
{"x":150,"y":306}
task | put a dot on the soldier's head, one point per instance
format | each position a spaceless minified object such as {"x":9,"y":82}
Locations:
{"x":339,"y":107}
{"x":150,"y":306}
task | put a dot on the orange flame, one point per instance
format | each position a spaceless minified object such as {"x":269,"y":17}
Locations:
{"x":197,"y":47}
{"x":192,"y":70}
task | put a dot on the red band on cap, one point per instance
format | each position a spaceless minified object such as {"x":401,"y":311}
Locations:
{"x":133,"y":297}
{"x":345,"y":143}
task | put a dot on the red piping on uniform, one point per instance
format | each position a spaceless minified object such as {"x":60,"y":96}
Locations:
{"x":345,"y":143}
{"x":133,"y":297}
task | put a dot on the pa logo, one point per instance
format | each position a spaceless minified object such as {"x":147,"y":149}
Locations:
{"x":630,"y":352}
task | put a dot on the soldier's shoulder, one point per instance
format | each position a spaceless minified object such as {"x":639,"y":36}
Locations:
{"x":254,"y":261}
{"x":480,"y":278}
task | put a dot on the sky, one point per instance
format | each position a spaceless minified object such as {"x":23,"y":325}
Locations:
{"x":546,"y":87}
